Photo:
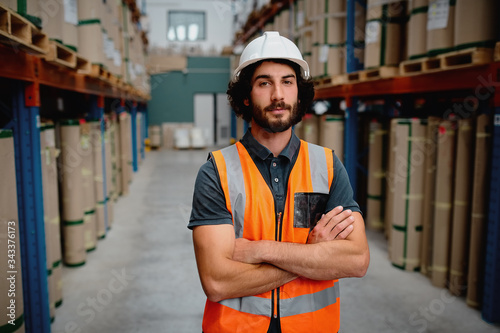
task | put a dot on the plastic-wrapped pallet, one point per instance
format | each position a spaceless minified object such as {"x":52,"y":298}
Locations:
{"x":384,"y":36}
{"x":70,"y":162}
{"x":479,"y":210}
{"x":443,"y":204}
{"x":376,"y":175}
{"x":406,"y":232}
{"x":11,"y":303}
{"x":417,"y":22}
{"x":440,"y":26}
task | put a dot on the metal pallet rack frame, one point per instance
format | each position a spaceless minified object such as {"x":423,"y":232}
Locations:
{"x":484,"y":83}
{"x":27,"y":73}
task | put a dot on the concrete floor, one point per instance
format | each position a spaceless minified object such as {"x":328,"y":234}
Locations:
{"x":143,"y":277}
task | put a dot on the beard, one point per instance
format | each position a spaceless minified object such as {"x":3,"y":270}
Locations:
{"x":279,"y":123}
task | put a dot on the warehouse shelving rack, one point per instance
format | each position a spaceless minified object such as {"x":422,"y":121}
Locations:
{"x":482,"y":81}
{"x":27,"y":73}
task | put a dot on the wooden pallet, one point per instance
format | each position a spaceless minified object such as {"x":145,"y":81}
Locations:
{"x":61,"y":55}
{"x":497,"y":52}
{"x":383,"y":72}
{"x":83,"y":66}
{"x":98,"y":71}
{"x":452,"y":60}
{"x":19,"y":33}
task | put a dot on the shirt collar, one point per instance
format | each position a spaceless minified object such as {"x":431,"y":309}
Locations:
{"x":255,"y":149}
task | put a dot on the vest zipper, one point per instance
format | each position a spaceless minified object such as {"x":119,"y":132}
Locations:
{"x":276,"y":291}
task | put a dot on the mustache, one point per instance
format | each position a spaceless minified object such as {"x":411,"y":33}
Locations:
{"x":278,"y":105}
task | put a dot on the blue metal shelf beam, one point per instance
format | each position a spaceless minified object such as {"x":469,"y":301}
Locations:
{"x":26,"y":107}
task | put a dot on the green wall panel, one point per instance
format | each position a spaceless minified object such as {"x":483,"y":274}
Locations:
{"x":172,"y":93}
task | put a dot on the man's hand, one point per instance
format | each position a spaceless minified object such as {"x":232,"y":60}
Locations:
{"x":335,"y":225}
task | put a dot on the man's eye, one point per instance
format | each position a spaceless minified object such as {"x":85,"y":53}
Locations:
{"x":264,"y":83}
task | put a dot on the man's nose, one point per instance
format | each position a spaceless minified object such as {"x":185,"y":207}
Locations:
{"x":277,"y":93}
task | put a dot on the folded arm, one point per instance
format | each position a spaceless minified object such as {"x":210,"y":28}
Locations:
{"x":325,"y":257}
{"x":221,"y":276}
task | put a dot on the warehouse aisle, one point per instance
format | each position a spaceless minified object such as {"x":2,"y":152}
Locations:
{"x":143,"y":278}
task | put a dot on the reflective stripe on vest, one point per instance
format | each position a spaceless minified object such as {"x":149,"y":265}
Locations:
{"x":248,"y":197}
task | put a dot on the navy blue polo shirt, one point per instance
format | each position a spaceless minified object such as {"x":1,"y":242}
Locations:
{"x":209,"y":203}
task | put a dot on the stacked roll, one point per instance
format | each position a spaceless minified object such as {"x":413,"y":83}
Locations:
{"x":429,"y":194}
{"x":408,"y":188}
{"x":443,"y":203}
{"x":11,"y":303}
{"x":88,"y":188}
{"x":74,"y":252}
{"x":476,"y":23}
{"x":385,"y":20}
{"x":416,"y":46}
{"x":479,"y":210}
{"x":440,"y":26}
{"x":328,"y":37}
{"x":376,"y":175}
{"x":100,"y":206}
{"x":331,"y":134}
{"x":461,"y":207}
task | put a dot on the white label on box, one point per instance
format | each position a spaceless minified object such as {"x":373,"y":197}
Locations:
{"x":71,"y":11}
{"x":372,"y":32}
{"x":437,"y":15}
{"x":300,"y":19}
{"x":323,"y":53}
{"x":497,"y":120}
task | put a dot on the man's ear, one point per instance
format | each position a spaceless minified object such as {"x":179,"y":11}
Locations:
{"x":246,"y":102}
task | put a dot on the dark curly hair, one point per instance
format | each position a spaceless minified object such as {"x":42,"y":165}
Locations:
{"x":238,"y":91}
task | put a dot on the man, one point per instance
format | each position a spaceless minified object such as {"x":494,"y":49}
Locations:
{"x":264,"y":263}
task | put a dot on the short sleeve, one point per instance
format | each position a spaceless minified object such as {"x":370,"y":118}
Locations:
{"x":341,"y":193}
{"x":209,"y":203}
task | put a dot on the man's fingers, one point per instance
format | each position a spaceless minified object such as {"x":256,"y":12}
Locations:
{"x":342,"y":225}
{"x":346,"y":232}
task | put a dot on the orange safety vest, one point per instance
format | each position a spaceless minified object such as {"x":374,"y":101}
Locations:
{"x":304,"y":305}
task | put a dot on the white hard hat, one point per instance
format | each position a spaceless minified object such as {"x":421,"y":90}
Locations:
{"x":271,"y":46}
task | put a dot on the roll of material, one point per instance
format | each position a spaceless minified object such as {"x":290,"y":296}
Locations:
{"x":376,"y":174}
{"x":331,"y":134}
{"x":384,"y":33}
{"x":417,"y":23}
{"x":100,"y":196}
{"x":479,"y":210}
{"x":429,"y":194}
{"x":443,"y":203}
{"x":406,"y":232}
{"x":155,"y":135}
{"x":467,"y":31}
{"x":71,"y":162}
{"x":10,"y":261}
{"x":88,"y":187}
{"x":440,"y":26}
